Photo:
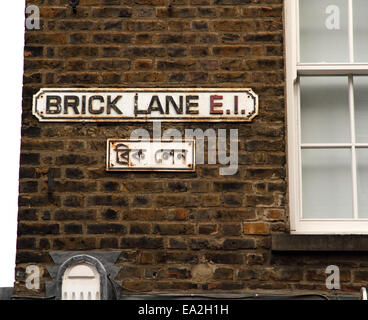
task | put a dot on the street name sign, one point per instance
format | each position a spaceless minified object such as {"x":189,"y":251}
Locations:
{"x":150,"y":155}
{"x":145,"y":104}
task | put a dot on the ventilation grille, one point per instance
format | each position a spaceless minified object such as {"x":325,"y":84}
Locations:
{"x":81,"y":282}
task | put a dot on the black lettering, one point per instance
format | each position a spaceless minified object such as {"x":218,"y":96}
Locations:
{"x":136,"y":111}
{"x":71,"y":102}
{"x":53,"y":104}
{"x":112,"y":105}
{"x":170,"y":99}
{"x":155,"y":99}
{"x":84,"y":105}
{"x":90,"y":105}
{"x":190,"y":104}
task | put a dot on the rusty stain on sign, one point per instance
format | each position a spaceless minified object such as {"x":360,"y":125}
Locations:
{"x":142,"y":105}
{"x":150,"y":155}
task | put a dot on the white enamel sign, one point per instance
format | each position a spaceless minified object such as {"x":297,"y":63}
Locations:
{"x":142,"y":105}
{"x":150,"y":155}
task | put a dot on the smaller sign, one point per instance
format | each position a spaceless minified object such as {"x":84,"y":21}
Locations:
{"x":150,"y":155}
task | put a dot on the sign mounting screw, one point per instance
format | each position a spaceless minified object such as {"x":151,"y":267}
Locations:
{"x":74,"y":4}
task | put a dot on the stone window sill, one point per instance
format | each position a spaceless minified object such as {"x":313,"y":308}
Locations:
{"x":319,"y":243}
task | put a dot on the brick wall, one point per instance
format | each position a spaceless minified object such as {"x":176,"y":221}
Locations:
{"x":197,"y":232}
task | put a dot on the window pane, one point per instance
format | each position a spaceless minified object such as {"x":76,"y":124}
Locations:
{"x":360,"y":9}
{"x":325,"y":116}
{"x":327,"y":183}
{"x":324,"y":35}
{"x":362,"y":172}
{"x":361,"y":108}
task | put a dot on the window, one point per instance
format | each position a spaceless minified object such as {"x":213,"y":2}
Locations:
{"x":327,"y":112}
{"x":81,"y":282}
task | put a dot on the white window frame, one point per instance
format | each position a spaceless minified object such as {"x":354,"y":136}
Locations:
{"x":294,"y":69}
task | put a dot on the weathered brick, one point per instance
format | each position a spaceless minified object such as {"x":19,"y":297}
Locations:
{"x":76,"y":25}
{"x":255,"y":259}
{"x":62,"y":215}
{"x":44,"y":38}
{"x":223,"y":286}
{"x":247,"y":274}
{"x":235,"y":214}
{"x":172,"y":12}
{"x":75,"y":186}
{"x":33,"y":51}
{"x":28,"y":187}
{"x":199,"y":244}
{"x":74,"y":159}
{"x":32,"y":257}
{"x":178,"y":273}
{"x":74,"y":173}
{"x":141,"y":201}
{"x":143,"y":77}
{"x":178,"y":38}
{"x":74,"y":243}
{"x":207,"y":228}
{"x":259,"y":200}
{"x":27,"y":214}
{"x":233,"y":244}
{"x":199,"y":51}
{"x":78,"y":38}
{"x":178,"y":214}
{"x":37,"y":229}
{"x":129,"y":272}
{"x":112,"y":38}
{"x":110,"y":186}
{"x":30,"y":158}
{"x":110,"y":214}
{"x":256,"y":228}
{"x":274,"y":214}
{"x":231,"y":186}
{"x":145,"y":26}
{"x":142,"y":243}
{"x":225,"y":258}
{"x":146,"y":258}
{"x":200,"y":25}
{"x":140,"y":228}
{"x":106,"y":228}
{"x":26,"y":243}
{"x":108,"y":243}
{"x":154,"y":273}
{"x":72,"y":228}
{"x":187,"y":64}
{"x":231,"y":229}
{"x":223,"y":274}
{"x":78,"y":51}
{"x":144,"y":214}
{"x":38,"y":201}
{"x":173,"y":229}
{"x":233,"y":200}
{"x":176,"y":52}
{"x":108,"y":200}
{"x":177,"y":244}
{"x":177,"y":186}
{"x":111,"y":12}
{"x":143,"y":64}
{"x":176,"y":257}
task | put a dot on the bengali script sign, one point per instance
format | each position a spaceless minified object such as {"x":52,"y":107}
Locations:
{"x":150,"y":155}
